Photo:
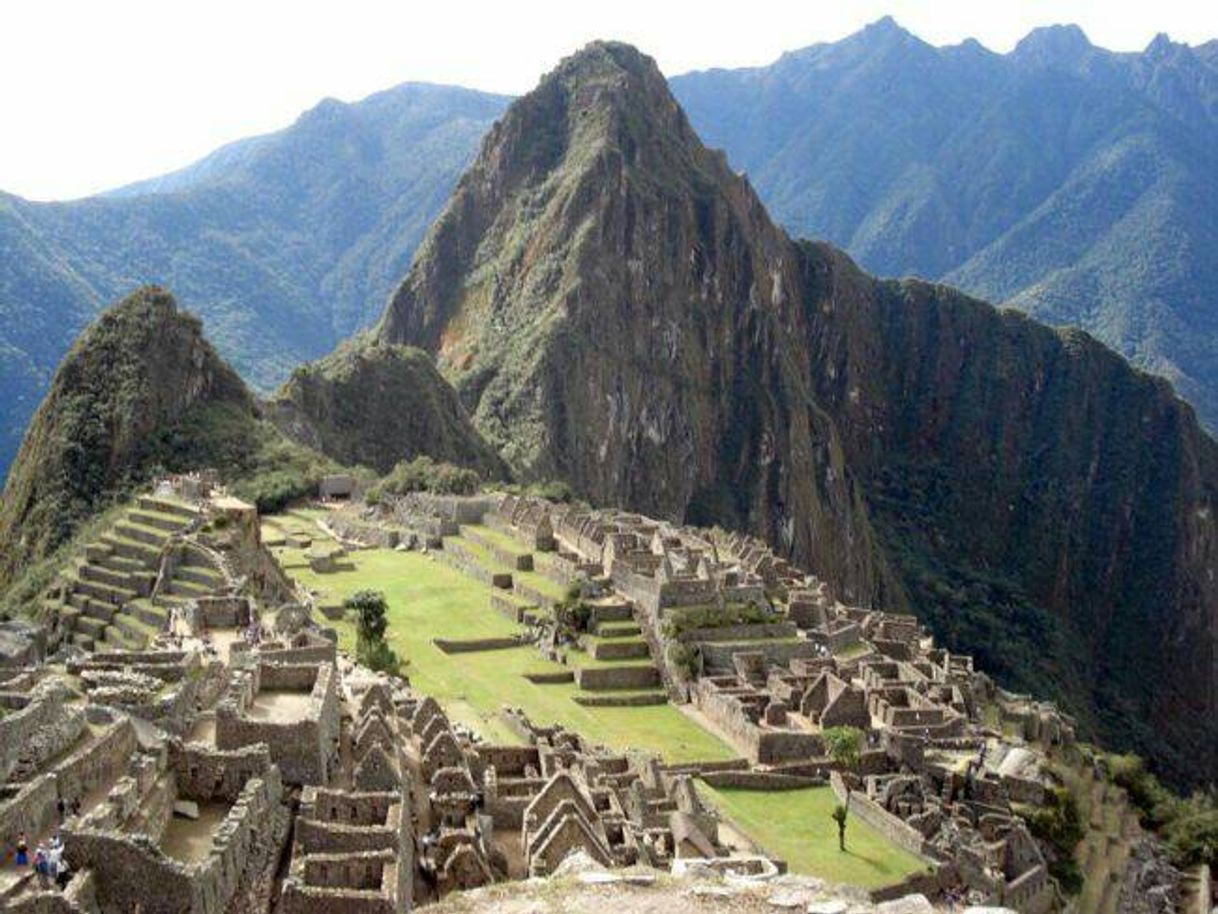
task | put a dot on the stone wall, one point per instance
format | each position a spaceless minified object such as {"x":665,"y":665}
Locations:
{"x":718,"y":656}
{"x":162,"y":885}
{"x":32,"y":810}
{"x":203,"y":773}
{"x":44,"y":713}
{"x":890,"y":826}
{"x":97,"y":763}
{"x":617,"y":677}
{"x":757,"y":631}
{"x":305,"y":750}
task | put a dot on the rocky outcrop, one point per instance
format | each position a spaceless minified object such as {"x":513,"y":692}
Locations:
{"x":374,"y":404}
{"x":616,"y":309}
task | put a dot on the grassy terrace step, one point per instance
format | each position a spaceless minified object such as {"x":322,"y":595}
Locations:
{"x":117,"y":639}
{"x":90,"y":626}
{"x":166,"y":506}
{"x":619,"y":699}
{"x":133,"y":628}
{"x":610,"y":611}
{"x":164,"y":522}
{"x":140,"y":534}
{"x":83,"y":641}
{"x":111,"y":561}
{"x":617,"y":677}
{"x":151,"y":614}
{"x":619,"y":649}
{"x":138,"y":583}
{"x":144,"y":553}
{"x":618,"y":630}
{"x":181,"y":588}
{"x":201,"y":577}
{"x":115,"y":596}
{"x":503,"y":549}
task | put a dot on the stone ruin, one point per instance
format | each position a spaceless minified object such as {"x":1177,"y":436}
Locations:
{"x":235,"y":761}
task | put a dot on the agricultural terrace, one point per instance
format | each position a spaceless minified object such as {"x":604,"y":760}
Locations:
{"x":429,"y":600}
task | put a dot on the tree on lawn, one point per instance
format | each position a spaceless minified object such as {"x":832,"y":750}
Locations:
{"x":845,"y":748}
{"x":371,"y":623}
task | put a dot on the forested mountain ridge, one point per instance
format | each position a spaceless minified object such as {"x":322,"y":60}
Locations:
{"x":1074,"y":183}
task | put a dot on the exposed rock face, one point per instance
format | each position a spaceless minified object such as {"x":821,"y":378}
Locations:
{"x":1013,"y":469}
{"x":616,"y":309}
{"x":375,"y":404}
{"x":614,"y":306}
{"x":143,"y":366}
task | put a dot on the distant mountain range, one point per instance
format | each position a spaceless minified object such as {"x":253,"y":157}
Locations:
{"x":285,"y":244}
{"x":1074,"y":183}
{"x":1069,"y":181}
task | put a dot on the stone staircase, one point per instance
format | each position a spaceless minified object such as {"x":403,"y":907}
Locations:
{"x":107,"y":603}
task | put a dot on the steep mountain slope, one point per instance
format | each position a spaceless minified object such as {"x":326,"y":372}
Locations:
{"x":373,"y":404}
{"x":1073,"y":182}
{"x":556,"y":290}
{"x":142,"y":369}
{"x":615,"y":308}
{"x":284,"y":243}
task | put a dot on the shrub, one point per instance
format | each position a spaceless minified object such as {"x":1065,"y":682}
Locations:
{"x":686,"y":659}
{"x":1059,"y":824}
{"x":371,"y":623}
{"x":424,"y":475}
{"x":1188,"y":826}
{"x":684,"y":620}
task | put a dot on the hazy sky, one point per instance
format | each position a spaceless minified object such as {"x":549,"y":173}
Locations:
{"x":98,"y":93}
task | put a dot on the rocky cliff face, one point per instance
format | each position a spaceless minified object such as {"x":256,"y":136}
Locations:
{"x":1047,"y":507}
{"x":615,"y":308}
{"x":374,"y":404}
{"x":141,"y":368}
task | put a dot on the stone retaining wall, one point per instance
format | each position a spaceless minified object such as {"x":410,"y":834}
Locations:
{"x":476,"y":645}
{"x":756,"y":631}
{"x":617,"y":677}
{"x":891,"y":827}
{"x":760,"y":780}
{"x":166,"y":886}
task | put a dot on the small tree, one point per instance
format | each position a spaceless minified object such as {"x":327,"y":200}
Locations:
{"x":845,"y":747}
{"x":371,"y":608}
{"x":839,"y":816}
{"x":371,"y":623}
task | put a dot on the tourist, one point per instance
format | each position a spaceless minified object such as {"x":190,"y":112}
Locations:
{"x":40,"y":865}
{"x":62,"y":807}
{"x":23,"y":850}
{"x":76,"y":807}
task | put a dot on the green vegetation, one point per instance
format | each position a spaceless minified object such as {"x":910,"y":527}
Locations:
{"x":1189,"y":825}
{"x":428,"y":600}
{"x":797,"y":825}
{"x":679,"y":621}
{"x":1060,"y":825}
{"x":370,"y":609}
{"x":424,"y":475}
{"x":845,"y":747}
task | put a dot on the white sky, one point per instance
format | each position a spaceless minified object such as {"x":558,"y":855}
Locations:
{"x":98,"y":93}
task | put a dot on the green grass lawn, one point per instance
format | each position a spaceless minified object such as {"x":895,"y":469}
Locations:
{"x":796,"y":825}
{"x":430,"y":600}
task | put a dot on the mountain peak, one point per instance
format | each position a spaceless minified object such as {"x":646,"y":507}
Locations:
{"x":1053,"y":46}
